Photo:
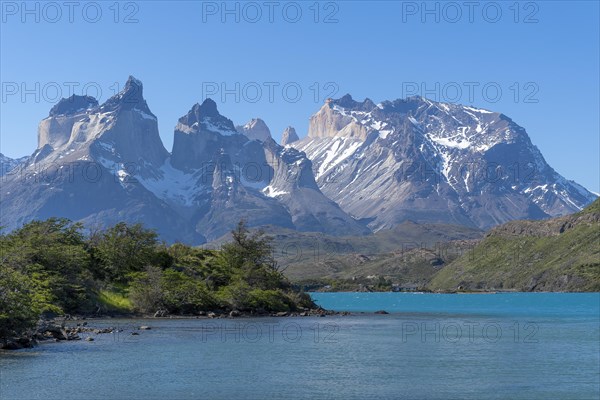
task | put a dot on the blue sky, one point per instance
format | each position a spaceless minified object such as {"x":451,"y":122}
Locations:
{"x":542,"y":56}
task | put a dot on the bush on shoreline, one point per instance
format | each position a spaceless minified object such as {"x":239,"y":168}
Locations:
{"x":51,"y":267}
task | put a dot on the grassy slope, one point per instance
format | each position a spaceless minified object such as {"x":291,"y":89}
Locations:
{"x":114,"y":300}
{"x":557,"y":254}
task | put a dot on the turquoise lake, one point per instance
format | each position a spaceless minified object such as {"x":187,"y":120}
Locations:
{"x":429,"y":346}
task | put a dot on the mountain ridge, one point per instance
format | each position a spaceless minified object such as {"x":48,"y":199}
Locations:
{"x":363,"y":167}
{"x":213,"y":177}
{"x":428,"y":161}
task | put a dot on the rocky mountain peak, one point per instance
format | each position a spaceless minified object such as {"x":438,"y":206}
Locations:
{"x":348,"y":102}
{"x":255,"y":129}
{"x":289,"y":135}
{"x":208,"y":108}
{"x":336,"y":118}
{"x":205,"y":117}
{"x":130,"y":98}
{"x":406,"y":159}
{"x":73,"y":105}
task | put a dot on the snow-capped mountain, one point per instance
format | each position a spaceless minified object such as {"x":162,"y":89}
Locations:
{"x":362,"y":167}
{"x":86,"y":164}
{"x":415,"y":159}
{"x":231,"y":176}
{"x":101,"y":164}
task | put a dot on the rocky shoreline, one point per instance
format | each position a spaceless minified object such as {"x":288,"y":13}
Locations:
{"x":68,"y":328}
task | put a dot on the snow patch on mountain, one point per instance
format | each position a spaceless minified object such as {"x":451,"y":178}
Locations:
{"x":273,"y":192}
{"x":173,"y":185}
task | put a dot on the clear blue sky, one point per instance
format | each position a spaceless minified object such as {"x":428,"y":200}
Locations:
{"x":375,"y":49}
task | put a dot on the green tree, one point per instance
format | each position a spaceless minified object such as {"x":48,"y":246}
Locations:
{"x":52,"y":254}
{"x":146,"y":292}
{"x":184,"y":295}
{"x":18,"y":309}
{"x":250,"y":255}
{"x":123,"y":249}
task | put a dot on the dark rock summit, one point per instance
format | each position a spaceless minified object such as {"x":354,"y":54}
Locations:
{"x":74,"y":104}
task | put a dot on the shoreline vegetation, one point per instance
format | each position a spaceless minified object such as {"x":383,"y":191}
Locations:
{"x":52,"y":268}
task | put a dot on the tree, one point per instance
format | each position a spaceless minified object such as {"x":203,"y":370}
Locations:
{"x":52,"y":255}
{"x":146,"y":290}
{"x":18,"y":310}
{"x":182,"y":294}
{"x":123,"y":249}
{"x":248,"y":249}
{"x":251,"y":256}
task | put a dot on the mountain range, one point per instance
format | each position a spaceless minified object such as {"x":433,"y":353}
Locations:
{"x":415,"y":159}
{"x":363,"y":167}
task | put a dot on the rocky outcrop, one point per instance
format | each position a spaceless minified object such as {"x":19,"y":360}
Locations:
{"x":332,"y":121}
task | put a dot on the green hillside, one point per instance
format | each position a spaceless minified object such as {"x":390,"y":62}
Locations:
{"x":560,"y":254}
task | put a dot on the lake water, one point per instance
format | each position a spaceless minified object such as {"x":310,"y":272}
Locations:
{"x":430,"y":346}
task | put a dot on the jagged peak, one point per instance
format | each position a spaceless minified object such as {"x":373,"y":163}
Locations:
{"x":133,"y":91}
{"x":131,"y":97}
{"x":132,"y":80}
{"x":206,"y":117}
{"x":347,"y":102}
{"x":73,"y":105}
{"x":208,"y":108}
{"x":288,"y":154}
